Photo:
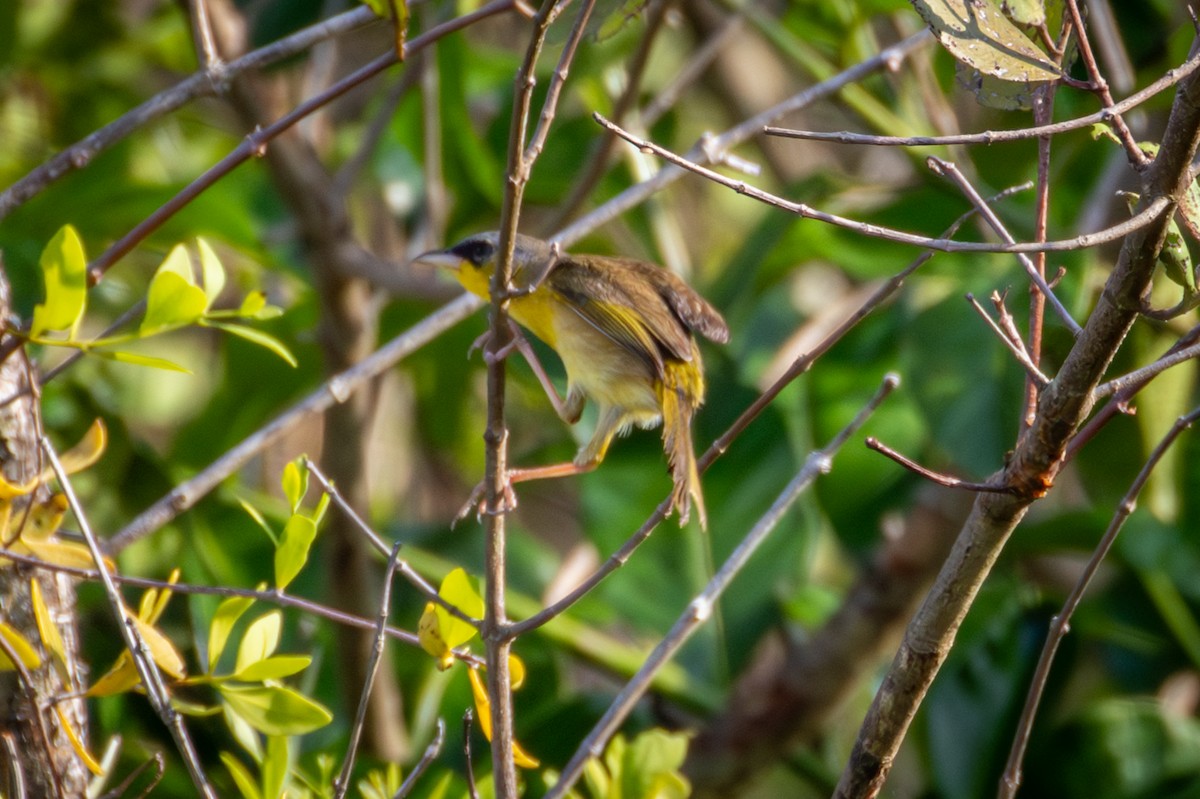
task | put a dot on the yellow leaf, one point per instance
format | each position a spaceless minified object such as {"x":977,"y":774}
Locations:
{"x":516,"y":671}
{"x":429,"y":633}
{"x":51,"y":638}
{"x":63,"y":553}
{"x":483,"y":709}
{"x":43,"y":519}
{"x":161,"y":649}
{"x":87,"y":451}
{"x":12,"y":490}
{"x":77,"y":744}
{"x":160,"y":604}
{"x":458,"y":591}
{"x":20,"y":647}
{"x":120,"y":678}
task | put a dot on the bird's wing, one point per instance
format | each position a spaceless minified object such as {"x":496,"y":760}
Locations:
{"x":692,"y":310}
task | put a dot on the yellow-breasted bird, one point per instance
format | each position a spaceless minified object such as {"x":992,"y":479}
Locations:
{"x":623,"y":329}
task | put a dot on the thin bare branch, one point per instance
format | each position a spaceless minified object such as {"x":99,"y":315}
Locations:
{"x":146,"y":667}
{"x":1169,"y":79}
{"x":336,"y":389}
{"x":1061,"y":623}
{"x":700,"y":609}
{"x":1016,"y":347}
{"x":1139,"y":377}
{"x":431,"y":752}
{"x":202,"y":32}
{"x":935,"y":477}
{"x":200,"y":84}
{"x":342,"y":783}
{"x":1138,"y":221}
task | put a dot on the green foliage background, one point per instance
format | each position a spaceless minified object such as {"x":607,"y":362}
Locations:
{"x":1113,"y":726}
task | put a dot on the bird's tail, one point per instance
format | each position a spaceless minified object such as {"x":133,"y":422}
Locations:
{"x":680,"y":398}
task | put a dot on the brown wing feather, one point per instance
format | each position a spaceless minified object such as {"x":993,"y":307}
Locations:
{"x":693,"y":311}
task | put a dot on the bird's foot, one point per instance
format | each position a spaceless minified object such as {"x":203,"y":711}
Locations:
{"x":478,"y":502}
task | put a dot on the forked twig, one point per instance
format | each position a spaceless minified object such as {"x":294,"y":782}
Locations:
{"x":936,"y":477}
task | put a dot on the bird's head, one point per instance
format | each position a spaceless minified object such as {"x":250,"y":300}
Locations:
{"x":473,"y":260}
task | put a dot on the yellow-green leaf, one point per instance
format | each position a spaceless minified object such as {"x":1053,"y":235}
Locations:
{"x":977,"y":34}
{"x":51,"y":638}
{"x":295,"y":484}
{"x":254,"y":302}
{"x":20,"y":647}
{"x":275,"y":710}
{"x":458,"y":590}
{"x":120,"y":678}
{"x":64,"y":272}
{"x":429,"y":633}
{"x":242,"y":732}
{"x":172,"y":301}
{"x":137,"y":359}
{"x":265,"y":340}
{"x":211,"y":270}
{"x":273,"y":668}
{"x":294,"y":544}
{"x":260,"y":640}
{"x":161,"y":649}
{"x":228,"y":612}
{"x":241,"y":777}
{"x":275,"y":766}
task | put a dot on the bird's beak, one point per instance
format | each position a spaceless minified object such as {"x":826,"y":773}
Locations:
{"x":441,"y":258}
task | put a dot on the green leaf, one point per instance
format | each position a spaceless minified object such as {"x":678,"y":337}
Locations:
{"x":124,"y":356}
{"x":173,"y":300}
{"x":242,"y":732}
{"x":295,"y":484}
{"x":260,"y":520}
{"x":647,"y":768}
{"x":1025,"y":12}
{"x":254,"y":302}
{"x":211,"y":271}
{"x":258,"y":337}
{"x":294,"y":544}
{"x":977,"y":34}
{"x":241,"y":776}
{"x":458,"y":590}
{"x":64,"y":273}
{"x":274,"y":668}
{"x":275,"y":710}
{"x":21,"y":648}
{"x":260,"y":641}
{"x":275,"y":766}
{"x":228,"y":612}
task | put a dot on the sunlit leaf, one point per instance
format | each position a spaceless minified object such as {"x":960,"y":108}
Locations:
{"x":161,"y":649}
{"x":516,"y":671}
{"x":20,"y":647}
{"x":138,"y":359}
{"x":211,"y":270}
{"x":260,"y":641}
{"x":228,"y":612}
{"x":122,"y":677}
{"x":295,"y":484}
{"x":275,"y":710}
{"x":52,"y":640}
{"x":429,"y":633}
{"x":43,"y":519}
{"x":977,"y":34}
{"x":275,"y":766}
{"x":64,"y":273}
{"x":483,"y":711}
{"x":174,"y":298}
{"x":294,"y":545}
{"x":77,"y":743}
{"x":274,"y":668}
{"x":1025,"y":12}
{"x":241,"y":777}
{"x":87,"y":451}
{"x":260,"y":520}
{"x":458,"y":590}
{"x":265,"y":340}
{"x":62,"y":553}
{"x":242,"y":732}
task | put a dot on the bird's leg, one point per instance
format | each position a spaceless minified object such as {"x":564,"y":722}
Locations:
{"x":570,"y":408}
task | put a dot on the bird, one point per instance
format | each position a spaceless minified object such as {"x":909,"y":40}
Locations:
{"x":623,"y":329}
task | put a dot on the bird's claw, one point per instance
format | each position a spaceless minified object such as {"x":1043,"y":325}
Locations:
{"x":478,"y":501}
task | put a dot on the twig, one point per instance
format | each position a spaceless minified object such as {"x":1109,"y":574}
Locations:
{"x":271,"y":596}
{"x":431,"y":752}
{"x":1061,"y":623}
{"x":887,"y":59}
{"x":1016,"y":347}
{"x":1140,"y":377}
{"x":206,"y":47}
{"x":472,"y":791}
{"x":342,"y":783}
{"x":334,"y":390}
{"x":1168,"y":80}
{"x":124,"y":785}
{"x":199,"y":84}
{"x":254,"y":145}
{"x":718,"y":447}
{"x":701,"y":607}
{"x":932,"y":476}
{"x":948,"y":169}
{"x":146,"y":667}
{"x":1136,"y":222}
{"x":404,"y":567}
{"x":39,"y":719}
